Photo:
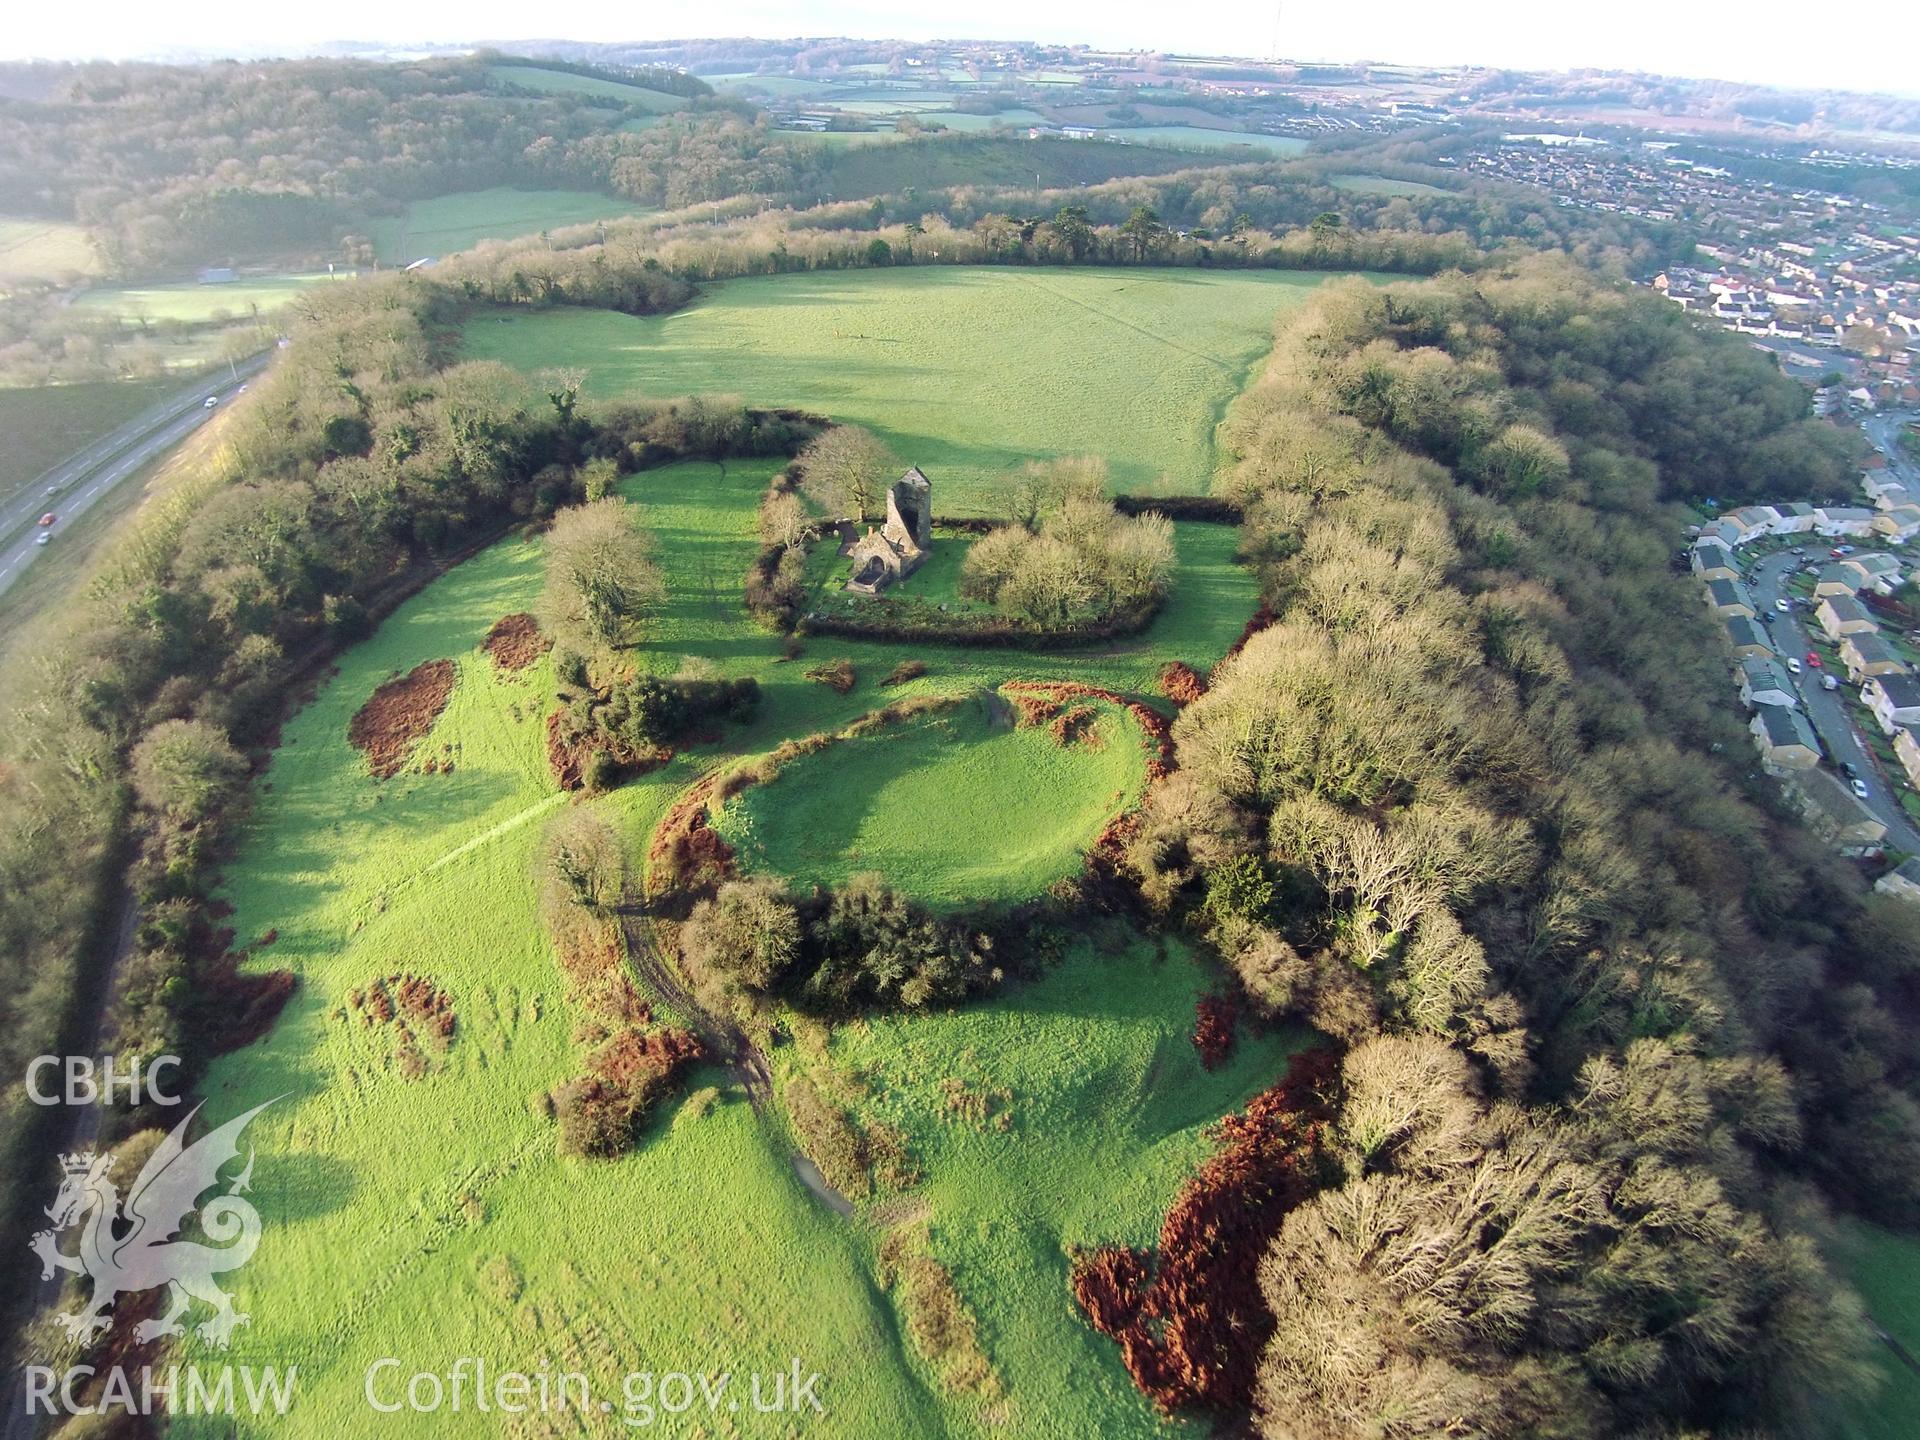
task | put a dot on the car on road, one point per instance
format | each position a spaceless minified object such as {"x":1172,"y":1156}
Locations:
{"x":1860,"y":789}
{"x":45,"y":537}
{"x":1782,"y":606}
{"x":210,"y":402}
{"x":1849,"y":769}
{"x":1793,"y":666}
{"x":1835,"y":553}
{"x":47,"y":519}
{"x":1813,"y":660}
{"x":1828,"y":682}
{"x":1767,"y":617}
{"x":53,"y":489}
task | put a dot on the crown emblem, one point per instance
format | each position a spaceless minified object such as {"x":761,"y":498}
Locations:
{"x":77,"y":1164}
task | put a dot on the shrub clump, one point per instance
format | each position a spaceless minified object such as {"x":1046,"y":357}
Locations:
{"x":837,"y":951}
{"x":836,"y":675}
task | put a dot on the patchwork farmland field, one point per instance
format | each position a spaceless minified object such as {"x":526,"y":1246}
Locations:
{"x":966,"y":372}
{"x":447,"y":223}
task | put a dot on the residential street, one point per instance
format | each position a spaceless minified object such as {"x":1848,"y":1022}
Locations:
{"x":1828,"y":710}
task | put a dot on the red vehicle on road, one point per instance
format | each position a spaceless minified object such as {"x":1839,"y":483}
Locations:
{"x":48,"y":518}
{"x":1813,"y":660}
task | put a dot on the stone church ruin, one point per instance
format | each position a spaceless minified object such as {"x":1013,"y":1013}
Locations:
{"x":896,"y":549}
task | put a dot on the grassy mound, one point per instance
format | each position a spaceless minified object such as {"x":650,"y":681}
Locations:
{"x":958,"y":807}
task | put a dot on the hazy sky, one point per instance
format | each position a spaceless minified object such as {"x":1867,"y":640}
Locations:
{"x":1867,"y":45}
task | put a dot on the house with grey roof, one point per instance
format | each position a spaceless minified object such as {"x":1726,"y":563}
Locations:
{"x":1878,"y":570}
{"x":1746,"y":637}
{"x":1786,"y":740}
{"x":1727,"y":598}
{"x":1795,"y":519}
{"x":1900,"y":523}
{"x":1837,"y":580}
{"x":1903,"y":880}
{"x":1713,"y":561}
{"x":1835,"y":813}
{"x":1835,"y":520}
{"x":1763,"y":681}
{"x":1842,"y":615}
{"x":1894,"y":700}
{"x":1870,"y":653}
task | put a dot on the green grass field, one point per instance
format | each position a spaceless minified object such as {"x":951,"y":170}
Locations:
{"x":1011,"y":161}
{"x":46,"y":424}
{"x":389,"y":1199}
{"x":954,"y":808}
{"x":1885,"y":1268}
{"x":965,"y":372}
{"x":968,"y":123}
{"x":44,"y":250}
{"x":448,"y":223}
{"x":1106,"y":1104}
{"x":380,"y":1191}
{"x":195,"y":304}
{"x":1380,"y":185}
{"x":565,"y":82}
{"x":1190,"y":137}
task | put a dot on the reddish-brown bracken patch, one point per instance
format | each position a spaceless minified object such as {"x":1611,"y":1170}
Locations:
{"x":1155,"y":727}
{"x":420,"y":1012}
{"x":1033,"y":710}
{"x":515,"y":642}
{"x":686,"y":852}
{"x":399,"y":714}
{"x":1181,"y":683}
{"x":1071,"y":727}
{"x":1189,"y":1316}
{"x":1214,"y":1019}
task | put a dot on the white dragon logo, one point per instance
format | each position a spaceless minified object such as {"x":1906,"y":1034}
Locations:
{"x":144,"y":1253}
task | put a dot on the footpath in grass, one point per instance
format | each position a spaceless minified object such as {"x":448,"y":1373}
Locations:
{"x":967,"y":372}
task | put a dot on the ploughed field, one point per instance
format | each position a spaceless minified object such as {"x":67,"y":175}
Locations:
{"x":414,"y":1204}
{"x":966,"y":372}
